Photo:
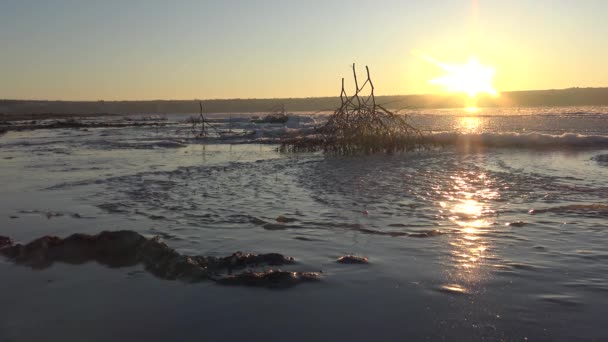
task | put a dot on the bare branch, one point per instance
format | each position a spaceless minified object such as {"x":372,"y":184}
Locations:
{"x":360,"y":127}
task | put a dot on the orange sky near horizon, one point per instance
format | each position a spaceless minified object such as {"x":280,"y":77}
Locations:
{"x":190,"y":49}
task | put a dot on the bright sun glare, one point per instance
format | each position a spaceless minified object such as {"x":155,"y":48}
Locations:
{"x":471,"y":78}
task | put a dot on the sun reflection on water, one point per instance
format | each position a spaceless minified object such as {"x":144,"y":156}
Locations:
{"x":469,"y":246}
{"x":469,"y":124}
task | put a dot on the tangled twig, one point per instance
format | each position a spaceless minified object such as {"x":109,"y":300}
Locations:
{"x":359,"y":125}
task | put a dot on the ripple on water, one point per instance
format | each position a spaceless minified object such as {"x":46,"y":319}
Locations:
{"x":519,"y":265}
{"x":588,"y":284}
{"x":453,"y":289}
{"x":566,"y":300}
{"x":589,"y":210}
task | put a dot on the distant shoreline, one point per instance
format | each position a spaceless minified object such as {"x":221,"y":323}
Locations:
{"x":48,"y":116}
{"x":11,"y":109}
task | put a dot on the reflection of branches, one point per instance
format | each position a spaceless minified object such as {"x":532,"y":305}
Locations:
{"x":360,"y":125}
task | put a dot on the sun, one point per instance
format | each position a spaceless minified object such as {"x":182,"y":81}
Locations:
{"x":471,"y":78}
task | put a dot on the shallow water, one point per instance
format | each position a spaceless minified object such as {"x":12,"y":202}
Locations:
{"x":466,"y":242}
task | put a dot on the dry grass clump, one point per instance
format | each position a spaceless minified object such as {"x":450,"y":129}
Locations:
{"x":359,"y":125}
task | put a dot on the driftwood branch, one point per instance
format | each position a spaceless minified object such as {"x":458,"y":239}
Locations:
{"x":359,"y":125}
{"x":201,"y":126}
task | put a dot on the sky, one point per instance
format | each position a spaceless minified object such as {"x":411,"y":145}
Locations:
{"x":198,"y":49}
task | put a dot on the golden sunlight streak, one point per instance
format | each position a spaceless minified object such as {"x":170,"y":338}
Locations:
{"x":471,"y":78}
{"x":468,"y":124}
{"x":468,"y":207}
{"x":470,"y":247}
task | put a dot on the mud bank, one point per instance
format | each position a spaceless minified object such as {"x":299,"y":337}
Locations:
{"x":128,"y":248}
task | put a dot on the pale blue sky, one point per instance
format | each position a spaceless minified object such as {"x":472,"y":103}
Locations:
{"x":81,"y":49}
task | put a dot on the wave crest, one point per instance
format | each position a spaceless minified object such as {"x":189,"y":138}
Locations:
{"x":522,"y":140}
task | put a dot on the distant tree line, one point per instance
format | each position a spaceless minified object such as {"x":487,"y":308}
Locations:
{"x":558,"y":97}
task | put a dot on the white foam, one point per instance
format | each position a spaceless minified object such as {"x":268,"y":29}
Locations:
{"x":522,"y":140}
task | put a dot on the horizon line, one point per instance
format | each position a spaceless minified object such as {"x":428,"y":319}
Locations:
{"x":288,"y":98}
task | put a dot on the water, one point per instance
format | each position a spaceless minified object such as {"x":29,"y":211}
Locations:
{"x":498,"y":235}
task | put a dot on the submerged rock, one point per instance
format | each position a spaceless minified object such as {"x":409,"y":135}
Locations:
{"x":516,"y":224}
{"x":257,"y":221}
{"x":352,"y":259}
{"x":274,"y":226}
{"x":601,"y":159}
{"x":5,"y":241}
{"x":283,"y":219}
{"x":380,"y":232}
{"x":51,"y":214}
{"x":270,"y":279}
{"x":426,"y":234}
{"x":114,"y":249}
{"x":128,"y":248}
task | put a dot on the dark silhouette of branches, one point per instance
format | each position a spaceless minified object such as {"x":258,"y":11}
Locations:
{"x":200,"y":126}
{"x":359,"y":125}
